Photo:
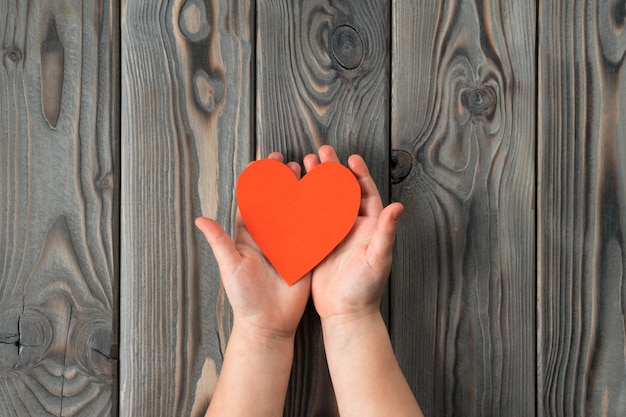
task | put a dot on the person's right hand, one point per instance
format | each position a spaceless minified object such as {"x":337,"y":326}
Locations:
{"x":263,"y":303}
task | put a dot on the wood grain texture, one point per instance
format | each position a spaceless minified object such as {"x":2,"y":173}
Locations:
{"x":322,"y":77}
{"x":471,"y":333}
{"x":186,"y":134}
{"x":463,"y":283}
{"x":582,"y":209}
{"x":58,"y":208}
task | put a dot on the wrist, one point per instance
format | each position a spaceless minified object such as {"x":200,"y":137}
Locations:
{"x":362,"y":365}
{"x":262,"y":337}
{"x":350,"y":324}
{"x":261,"y":348}
{"x":255,"y":372}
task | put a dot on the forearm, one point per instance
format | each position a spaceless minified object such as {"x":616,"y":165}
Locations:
{"x":365,"y":373}
{"x":254,"y":376}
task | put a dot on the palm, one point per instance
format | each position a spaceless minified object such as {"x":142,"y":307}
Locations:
{"x":257,"y":292}
{"x":353,"y":276}
{"x":344,"y":280}
{"x":260,"y":298}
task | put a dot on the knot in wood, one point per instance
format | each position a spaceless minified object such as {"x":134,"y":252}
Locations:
{"x":208,"y":90}
{"x":105,"y":182}
{"x":194,"y":20}
{"x":618,"y":13}
{"x":401,"y":165}
{"x":14,"y":55}
{"x":347,"y":46}
{"x":480,"y":101}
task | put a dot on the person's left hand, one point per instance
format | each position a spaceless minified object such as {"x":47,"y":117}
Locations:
{"x":351,"y":279}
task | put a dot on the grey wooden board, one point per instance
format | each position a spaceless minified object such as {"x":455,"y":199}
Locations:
{"x":461,"y":108}
{"x":463,"y":284}
{"x":582,"y":209}
{"x":186,"y":106}
{"x":322,"y":78}
{"x":58,"y":208}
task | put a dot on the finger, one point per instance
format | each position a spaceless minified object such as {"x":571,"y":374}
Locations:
{"x":381,"y":245}
{"x":276,"y":156}
{"x":242,"y":236}
{"x":371,"y":204}
{"x":222,"y":245}
{"x":310,"y":161}
{"x":327,"y":154}
{"x":295,"y":168}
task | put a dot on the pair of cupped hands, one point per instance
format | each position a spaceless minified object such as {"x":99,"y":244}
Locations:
{"x":347,"y":284}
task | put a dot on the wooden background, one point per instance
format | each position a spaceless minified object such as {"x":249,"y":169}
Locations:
{"x":499,"y":124}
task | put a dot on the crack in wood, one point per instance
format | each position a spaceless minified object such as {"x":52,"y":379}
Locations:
{"x":67,"y":343}
{"x":10,"y":338}
{"x":52,"y":74}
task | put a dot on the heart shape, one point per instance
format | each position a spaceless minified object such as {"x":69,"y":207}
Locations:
{"x":296,"y":224}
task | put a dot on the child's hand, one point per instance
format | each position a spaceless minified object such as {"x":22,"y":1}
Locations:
{"x":351,"y":280}
{"x":347,"y":287}
{"x":259,"y":354}
{"x":263,"y":303}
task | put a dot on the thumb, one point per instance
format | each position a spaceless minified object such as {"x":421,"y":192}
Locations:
{"x":222,"y":245}
{"x":381,"y":245}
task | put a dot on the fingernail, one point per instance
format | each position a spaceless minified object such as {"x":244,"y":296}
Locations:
{"x":396,"y":216}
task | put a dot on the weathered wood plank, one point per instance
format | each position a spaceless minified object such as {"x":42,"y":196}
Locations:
{"x":322,"y":77}
{"x":186,"y":133}
{"x":463,"y":286}
{"x":582,"y":209}
{"x":58,"y":208}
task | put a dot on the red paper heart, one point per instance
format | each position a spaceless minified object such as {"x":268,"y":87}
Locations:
{"x":297,"y":223}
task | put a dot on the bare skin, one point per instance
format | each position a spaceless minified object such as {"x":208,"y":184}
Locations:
{"x":346,"y":288}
